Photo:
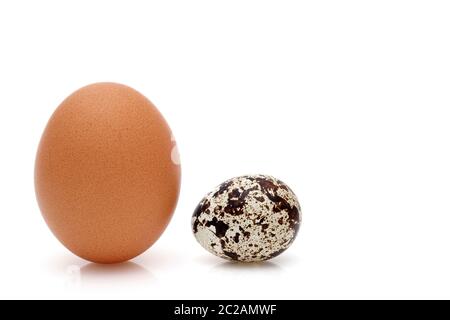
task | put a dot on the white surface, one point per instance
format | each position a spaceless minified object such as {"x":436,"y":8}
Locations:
{"x":346,"y":101}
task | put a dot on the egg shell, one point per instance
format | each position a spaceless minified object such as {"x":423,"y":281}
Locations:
{"x":250,"y":218}
{"x":107,"y":174}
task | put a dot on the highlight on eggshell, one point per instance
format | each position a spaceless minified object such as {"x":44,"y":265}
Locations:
{"x":107,"y":173}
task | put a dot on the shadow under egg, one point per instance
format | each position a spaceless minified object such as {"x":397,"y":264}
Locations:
{"x":123,"y":275}
{"x":248,"y":266}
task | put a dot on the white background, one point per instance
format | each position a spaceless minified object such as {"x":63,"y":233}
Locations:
{"x":346,"y":101}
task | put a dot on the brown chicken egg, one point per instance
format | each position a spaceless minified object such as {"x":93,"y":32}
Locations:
{"x":107,"y":173}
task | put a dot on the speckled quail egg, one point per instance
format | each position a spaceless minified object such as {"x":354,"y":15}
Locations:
{"x":249,"y":218}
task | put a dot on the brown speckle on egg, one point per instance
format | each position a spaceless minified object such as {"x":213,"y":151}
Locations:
{"x":248,"y":218}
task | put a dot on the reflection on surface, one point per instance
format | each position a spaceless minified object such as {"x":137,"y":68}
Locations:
{"x":122,"y":275}
{"x":113,"y":270}
{"x":265,"y":266}
{"x":251,"y":274}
